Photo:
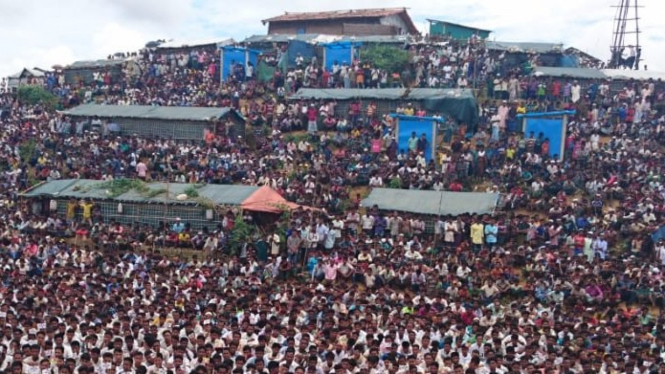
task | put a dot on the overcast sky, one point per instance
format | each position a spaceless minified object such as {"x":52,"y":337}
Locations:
{"x":41,"y":33}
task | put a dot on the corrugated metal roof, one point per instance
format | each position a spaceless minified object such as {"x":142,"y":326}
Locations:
{"x":524,"y":47}
{"x":382,"y":94}
{"x":94,"y":190}
{"x":626,"y":74}
{"x":428,"y":93}
{"x":347,"y":14}
{"x":28,"y":72}
{"x":85,"y":189}
{"x":397,"y":39}
{"x":577,"y":52}
{"x":432,"y":202}
{"x":324,"y":39}
{"x":347,"y":93}
{"x":220,"y":42}
{"x":581,"y":73}
{"x":151,"y":112}
{"x":224,"y":194}
{"x":94,"y":64}
{"x":51,"y":188}
{"x":281,"y":38}
{"x":586,"y":73}
{"x":457,"y":24}
{"x":157,"y":194}
{"x":336,"y":14}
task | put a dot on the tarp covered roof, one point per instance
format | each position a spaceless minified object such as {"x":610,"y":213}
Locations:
{"x":348,"y":94}
{"x":626,"y":74}
{"x":460,"y":104}
{"x":174,"y":44}
{"x":219,"y":194}
{"x":524,"y":47}
{"x":586,"y":73}
{"x":432,"y":202}
{"x":581,"y":73}
{"x":151,"y":112}
{"x":325,"y":39}
{"x":385,"y":93}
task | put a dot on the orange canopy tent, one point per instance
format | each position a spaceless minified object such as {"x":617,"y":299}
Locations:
{"x":267,"y":200}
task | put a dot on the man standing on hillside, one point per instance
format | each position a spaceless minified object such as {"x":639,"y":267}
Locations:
{"x":477,"y":235}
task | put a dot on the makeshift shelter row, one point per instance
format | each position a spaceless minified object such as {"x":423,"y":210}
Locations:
{"x":184,"y":123}
{"x":432,"y":204}
{"x":26,"y":77}
{"x":459,"y":104}
{"x":83,"y":72}
{"x":286,"y":48}
{"x":157,"y":201}
{"x":616,"y":77}
{"x":173,"y":46}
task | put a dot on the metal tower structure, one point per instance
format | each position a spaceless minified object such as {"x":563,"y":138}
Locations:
{"x":626,"y":34}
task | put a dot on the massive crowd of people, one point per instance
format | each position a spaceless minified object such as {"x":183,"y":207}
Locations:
{"x":565,"y":278}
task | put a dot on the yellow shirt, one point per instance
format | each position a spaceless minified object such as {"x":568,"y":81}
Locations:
{"x":510,"y":153}
{"x":477,"y":233}
{"x":87,"y":209}
{"x":71,"y":210}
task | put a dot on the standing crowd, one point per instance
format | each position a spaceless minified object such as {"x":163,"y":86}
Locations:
{"x":567,"y":277}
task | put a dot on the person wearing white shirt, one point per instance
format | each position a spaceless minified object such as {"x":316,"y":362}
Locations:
{"x":376,"y":181}
{"x":575,"y":92}
{"x":367,"y":223}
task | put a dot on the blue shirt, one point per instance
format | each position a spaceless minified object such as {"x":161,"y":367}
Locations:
{"x":491,"y":231}
{"x":178,"y":227}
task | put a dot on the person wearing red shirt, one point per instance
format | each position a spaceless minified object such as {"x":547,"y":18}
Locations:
{"x":468,"y":316}
{"x":456,"y":186}
{"x":556,"y":90}
{"x":312,"y":113}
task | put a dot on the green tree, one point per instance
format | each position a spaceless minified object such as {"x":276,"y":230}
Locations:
{"x":27,"y":150}
{"x":241,"y":234}
{"x":391,"y":59}
{"x":34,"y":95}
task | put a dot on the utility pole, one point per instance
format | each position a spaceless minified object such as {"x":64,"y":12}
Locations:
{"x":626,"y":30}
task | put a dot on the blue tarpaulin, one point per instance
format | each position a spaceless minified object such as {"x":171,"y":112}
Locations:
{"x":553,"y":127}
{"x":306,"y":50}
{"x":341,"y":52}
{"x":569,"y":61}
{"x":659,"y":234}
{"x":232,"y":55}
{"x":407,"y":125}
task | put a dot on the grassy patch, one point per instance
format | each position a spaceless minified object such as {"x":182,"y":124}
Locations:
{"x":191,"y":192}
{"x":154,"y":193}
{"x":118,"y":187}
